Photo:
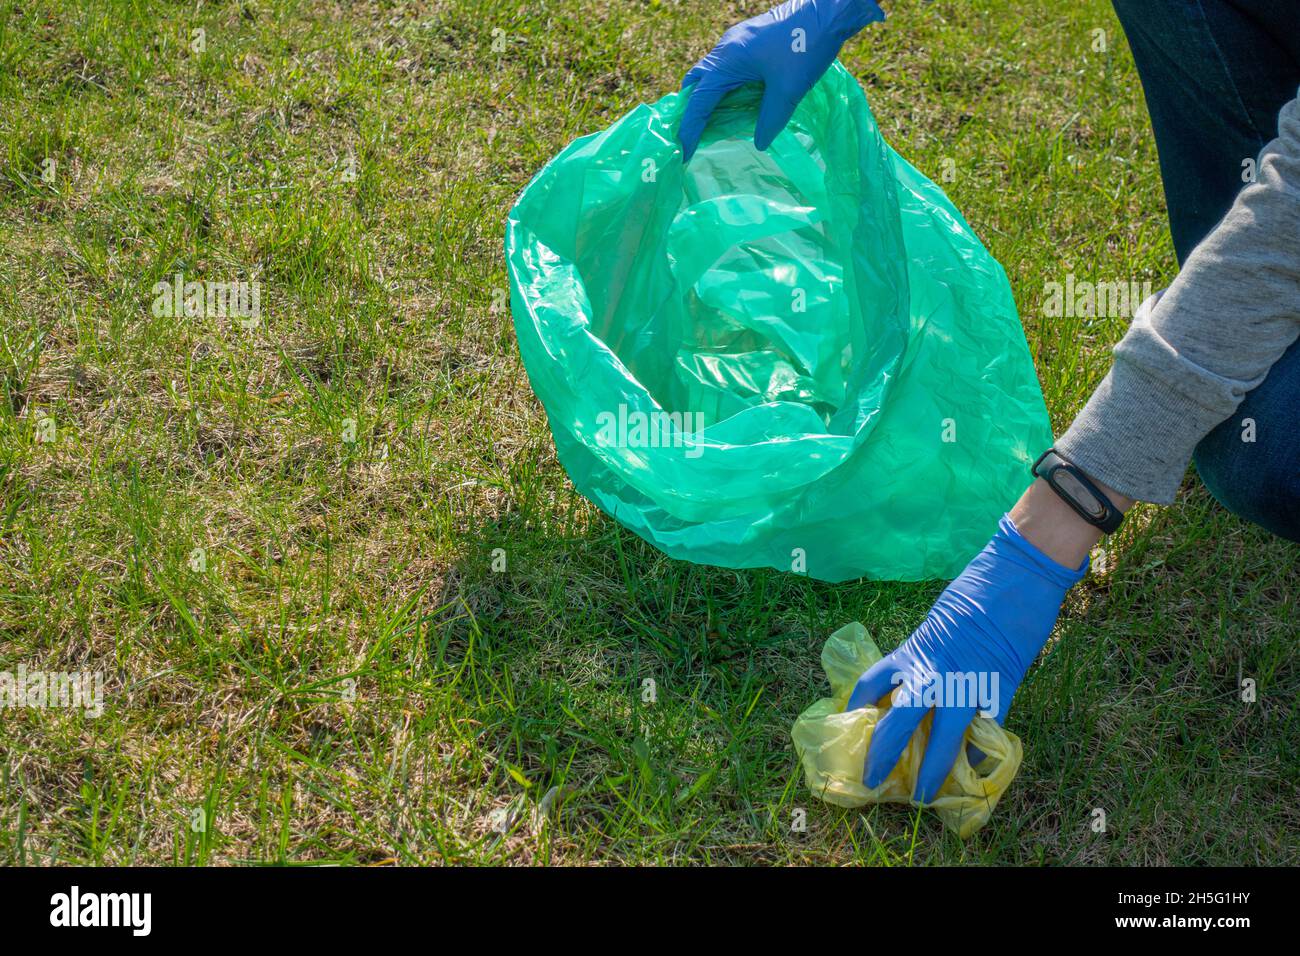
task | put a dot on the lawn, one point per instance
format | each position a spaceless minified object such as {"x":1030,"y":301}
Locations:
{"x":276,"y":540}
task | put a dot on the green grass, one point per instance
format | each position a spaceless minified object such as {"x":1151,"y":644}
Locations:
{"x":348,"y":680}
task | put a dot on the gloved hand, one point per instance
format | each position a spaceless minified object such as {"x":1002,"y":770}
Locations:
{"x":787,"y":49}
{"x":992,"y":620}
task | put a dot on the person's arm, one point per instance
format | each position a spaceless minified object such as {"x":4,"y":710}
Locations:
{"x":1183,"y":367}
{"x":1188,"y":360}
{"x":1052,"y":526}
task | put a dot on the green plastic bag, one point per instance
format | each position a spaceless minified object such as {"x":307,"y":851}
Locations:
{"x":801,"y":358}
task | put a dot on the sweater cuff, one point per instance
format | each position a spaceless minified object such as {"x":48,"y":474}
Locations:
{"x":1137,"y":434}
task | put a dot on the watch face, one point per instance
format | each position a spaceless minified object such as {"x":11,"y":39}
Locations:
{"x":1078,"y":493}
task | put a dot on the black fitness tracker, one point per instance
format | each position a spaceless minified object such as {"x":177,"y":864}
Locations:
{"x":1074,"y":488}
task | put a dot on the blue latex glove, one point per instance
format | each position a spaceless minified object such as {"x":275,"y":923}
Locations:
{"x":992,"y":620}
{"x":786,"y":49}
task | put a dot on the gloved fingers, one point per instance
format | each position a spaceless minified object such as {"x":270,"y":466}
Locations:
{"x":947,"y":731}
{"x":888,"y":742}
{"x":1004,"y":704}
{"x":778,"y":106}
{"x":868,"y":11}
{"x":874,"y":685}
{"x":694,"y":75}
{"x":705,"y":95}
{"x":973,"y":753}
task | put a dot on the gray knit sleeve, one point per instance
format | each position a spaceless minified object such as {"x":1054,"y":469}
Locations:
{"x":1189,"y":358}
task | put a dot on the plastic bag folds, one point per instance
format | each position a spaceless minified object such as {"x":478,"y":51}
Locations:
{"x":801,"y":358}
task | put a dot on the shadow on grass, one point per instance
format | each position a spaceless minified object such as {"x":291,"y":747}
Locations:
{"x":657,"y":696}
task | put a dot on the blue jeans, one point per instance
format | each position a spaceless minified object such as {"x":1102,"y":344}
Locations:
{"x":1215,"y":73}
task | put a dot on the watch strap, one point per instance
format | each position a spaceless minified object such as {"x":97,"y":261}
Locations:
{"x":1075,"y":488}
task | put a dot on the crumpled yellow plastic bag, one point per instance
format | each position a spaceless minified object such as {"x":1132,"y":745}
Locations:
{"x":833,"y":746}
